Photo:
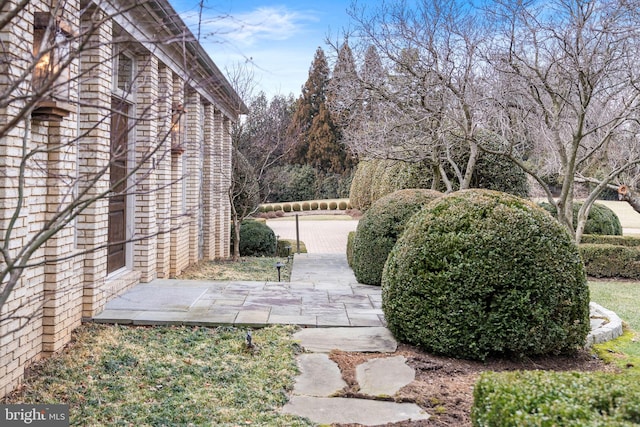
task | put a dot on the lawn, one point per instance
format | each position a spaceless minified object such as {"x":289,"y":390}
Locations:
{"x":624,"y":299}
{"x":113,"y":375}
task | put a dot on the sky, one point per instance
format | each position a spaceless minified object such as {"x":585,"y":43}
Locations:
{"x":277,"y":39}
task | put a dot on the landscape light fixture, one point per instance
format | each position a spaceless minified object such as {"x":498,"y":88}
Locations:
{"x":279,"y":265}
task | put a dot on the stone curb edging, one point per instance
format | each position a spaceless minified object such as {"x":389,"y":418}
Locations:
{"x":610,"y":326}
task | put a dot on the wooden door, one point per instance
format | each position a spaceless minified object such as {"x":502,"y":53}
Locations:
{"x":117,"y":252}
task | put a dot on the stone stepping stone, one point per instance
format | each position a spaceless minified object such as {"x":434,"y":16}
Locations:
{"x":320,"y":376}
{"x":367,"y":339}
{"x":327,"y":410}
{"x":384,"y":376}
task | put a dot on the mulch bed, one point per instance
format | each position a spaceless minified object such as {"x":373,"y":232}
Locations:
{"x":444,"y":386}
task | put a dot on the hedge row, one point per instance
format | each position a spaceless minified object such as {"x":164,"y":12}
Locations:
{"x":539,"y":398}
{"x":611,"y":240}
{"x":606,"y":260}
{"x":308,"y":205}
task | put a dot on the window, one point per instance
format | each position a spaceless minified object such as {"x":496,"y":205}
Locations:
{"x":124,"y":72}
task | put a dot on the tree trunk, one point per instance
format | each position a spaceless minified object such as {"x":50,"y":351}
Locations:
{"x":624,"y":193}
{"x":236,"y":241}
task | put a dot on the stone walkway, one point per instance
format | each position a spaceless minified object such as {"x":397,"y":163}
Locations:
{"x":323,"y":292}
{"x":320,"y":379}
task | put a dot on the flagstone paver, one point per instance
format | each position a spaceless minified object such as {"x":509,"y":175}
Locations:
{"x":328,"y":410}
{"x":384,"y":376}
{"x":319,"y":376}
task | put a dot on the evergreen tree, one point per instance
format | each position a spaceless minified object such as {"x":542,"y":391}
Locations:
{"x":344,"y":87}
{"x":325,"y":152}
{"x":308,"y":107}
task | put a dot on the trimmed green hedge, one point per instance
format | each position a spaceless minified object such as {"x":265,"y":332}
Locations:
{"x":379,"y":229}
{"x":611,"y":240}
{"x":479,"y":273}
{"x":559,"y":399}
{"x":601,"y":219}
{"x":602,"y":260}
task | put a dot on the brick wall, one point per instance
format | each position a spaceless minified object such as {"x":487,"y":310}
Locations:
{"x":180,"y":209}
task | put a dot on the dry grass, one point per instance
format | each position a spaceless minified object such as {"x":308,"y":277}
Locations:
{"x":246,"y":269}
{"x":112,"y":375}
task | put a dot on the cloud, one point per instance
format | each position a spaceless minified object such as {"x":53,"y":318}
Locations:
{"x":267,"y":23}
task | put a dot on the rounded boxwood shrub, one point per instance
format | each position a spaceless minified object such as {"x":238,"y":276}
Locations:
{"x":306,"y":206}
{"x":601,"y":219}
{"x":342,"y":205}
{"x":314,"y":206}
{"x":479,"y":273}
{"x":286,"y":207}
{"x":256,"y":239}
{"x":333,"y":206}
{"x":296,"y":207}
{"x":380,"y":227}
{"x":323,"y":206}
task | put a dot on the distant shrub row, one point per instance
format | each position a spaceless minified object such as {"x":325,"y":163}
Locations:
{"x":309,"y":205}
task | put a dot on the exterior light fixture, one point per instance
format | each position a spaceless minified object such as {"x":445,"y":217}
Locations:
{"x":176,"y":129}
{"x":51,"y":73}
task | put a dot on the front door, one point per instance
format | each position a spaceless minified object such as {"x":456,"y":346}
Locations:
{"x":116,"y":253}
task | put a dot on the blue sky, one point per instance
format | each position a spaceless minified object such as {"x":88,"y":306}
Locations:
{"x":279,"y":37}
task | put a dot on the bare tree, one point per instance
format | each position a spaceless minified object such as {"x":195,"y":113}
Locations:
{"x":259,"y":142}
{"x":428,"y":102}
{"x":552,"y":86}
{"x":567,"y":88}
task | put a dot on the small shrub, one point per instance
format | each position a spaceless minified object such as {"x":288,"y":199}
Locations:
{"x":306,"y":206}
{"x":277,"y":208}
{"x":296,"y":207}
{"x":601,"y":219}
{"x":284,"y":248}
{"x":342,"y":205}
{"x":279,"y":214}
{"x":380,"y":227}
{"x":323,"y":206}
{"x":314,"y":206}
{"x":333,"y":206}
{"x":267,"y":215}
{"x":286,"y":207}
{"x":350,"y":240}
{"x":267,"y":208}
{"x":479,"y":273}
{"x":539,"y":398}
{"x":603,"y":260}
{"x":256,"y":239}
